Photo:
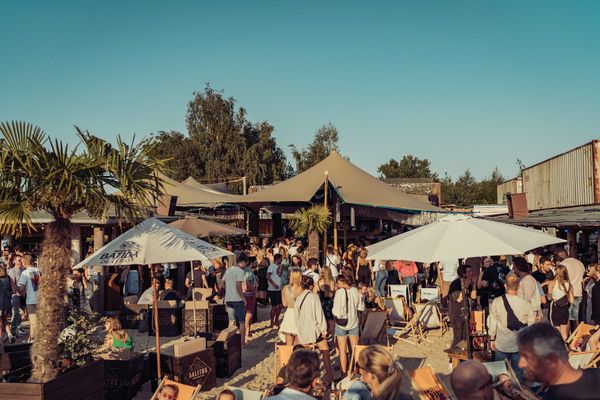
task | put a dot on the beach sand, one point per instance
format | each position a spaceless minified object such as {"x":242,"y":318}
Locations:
{"x":258,"y":358}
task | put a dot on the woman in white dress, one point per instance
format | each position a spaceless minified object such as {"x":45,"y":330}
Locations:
{"x":288,"y":330}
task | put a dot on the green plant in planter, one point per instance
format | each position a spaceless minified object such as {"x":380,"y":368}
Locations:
{"x":81,"y":341}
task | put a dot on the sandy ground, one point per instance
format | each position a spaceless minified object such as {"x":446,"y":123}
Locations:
{"x":258,"y":358}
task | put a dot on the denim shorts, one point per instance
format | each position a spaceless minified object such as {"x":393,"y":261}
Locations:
{"x":236,"y":311}
{"x":339,"y":331}
{"x":574,"y":309}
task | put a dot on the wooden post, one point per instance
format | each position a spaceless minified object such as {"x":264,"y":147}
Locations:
{"x":572,"y":242}
{"x":156,"y":329}
{"x":98,"y":238}
{"x":335,"y":228}
{"x":326,"y":186}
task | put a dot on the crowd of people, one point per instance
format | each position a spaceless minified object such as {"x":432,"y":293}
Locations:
{"x":532,"y":303}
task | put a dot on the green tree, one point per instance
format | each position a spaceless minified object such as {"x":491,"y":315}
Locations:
{"x":311,"y":222}
{"x":218,"y":127}
{"x":264,"y":162}
{"x":324,"y":142}
{"x":408,"y":167}
{"x":183,"y":155}
{"x":488,"y":188}
{"x":38,"y":174}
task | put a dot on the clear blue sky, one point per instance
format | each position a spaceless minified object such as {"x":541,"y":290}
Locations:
{"x":467,"y":84}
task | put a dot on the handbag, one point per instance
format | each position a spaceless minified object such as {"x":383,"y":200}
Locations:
{"x":343,"y":321}
{"x":562,"y":302}
{"x":512,"y":322}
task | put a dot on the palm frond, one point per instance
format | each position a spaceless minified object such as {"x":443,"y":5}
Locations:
{"x":316,"y":218}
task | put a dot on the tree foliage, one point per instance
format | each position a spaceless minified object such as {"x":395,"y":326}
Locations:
{"x":324,"y":142}
{"x":37,"y":174}
{"x":222,"y":144}
{"x":183,"y":155}
{"x":408,"y":167}
{"x":311,"y":222}
{"x":466,"y":191}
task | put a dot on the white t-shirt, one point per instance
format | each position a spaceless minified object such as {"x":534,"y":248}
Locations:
{"x":274,"y":277}
{"x":232,"y":276}
{"x":576,"y":271}
{"x":30,"y":278}
{"x":354,"y":305}
{"x":449,"y":270}
{"x":314,"y":275}
{"x":293,"y":250}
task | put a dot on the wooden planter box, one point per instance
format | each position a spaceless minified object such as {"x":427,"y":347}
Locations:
{"x":84,"y":383}
{"x":194,"y":369}
{"x":228,"y":355}
{"x":169,"y":321}
{"x":130,"y":315}
{"x":217,"y":317}
{"x":123,"y":378}
{"x":202,"y":323}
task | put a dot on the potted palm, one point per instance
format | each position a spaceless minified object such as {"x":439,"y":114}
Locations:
{"x":38,"y":174}
{"x":311,"y":222}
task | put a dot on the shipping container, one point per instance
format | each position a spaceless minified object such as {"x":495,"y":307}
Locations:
{"x":514,"y":185}
{"x":566,"y":180}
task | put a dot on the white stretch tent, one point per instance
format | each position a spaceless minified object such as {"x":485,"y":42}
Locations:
{"x":460,"y":236}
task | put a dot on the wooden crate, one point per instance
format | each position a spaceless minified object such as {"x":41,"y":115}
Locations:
{"x":217,"y":317}
{"x":169,"y":322}
{"x":130,"y":315}
{"x":123,"y":378}
{"x":228,"y":355}
{"x":84,"y":383}
{"x":202,"y":323}
{"x":196,"y":369}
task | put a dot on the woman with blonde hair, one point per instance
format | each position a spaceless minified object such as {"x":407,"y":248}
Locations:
{"x":560,"y":291}
{"x":289,"y":293}
{"x":116,"y":336}
{"x":326,"y":292}
{"x":380,"y":376}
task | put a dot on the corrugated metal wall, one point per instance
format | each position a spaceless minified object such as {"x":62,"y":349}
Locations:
{"x":513,"y":186}
{"x":563,"y":181}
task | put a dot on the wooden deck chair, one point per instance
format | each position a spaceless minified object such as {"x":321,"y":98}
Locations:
{"x":356,"y":350}
{"x":395,"y":291}
{"x":427,"y":385}
{"x":429,"y":294}
{"x":282,"y":356}
{"x":375,"y":321}
{"x":582,"y":330}
{"x":397,"y":309}
{"x":583,"y":359}
{"x":185,"y":392}
{"x":431,"y":317}
{"x":245,"y":394}
{"x":413,"y":328}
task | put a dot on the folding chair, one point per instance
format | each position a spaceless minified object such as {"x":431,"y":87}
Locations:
{"x":582,"y":330}
{"x":413,"y":328}
{"x":356,"y":350}
{"x":427,"y":385}
{"x":431,"y":317}
{"x":374,"y":323}
{"x":282,"y":356}
{"x":185,"y":392}
{"x":584,"y":359}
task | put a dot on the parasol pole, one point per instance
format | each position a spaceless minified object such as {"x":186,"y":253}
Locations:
{"x":156,"y":331}
{"x":325,"y":187}
{"x":194,"y":300}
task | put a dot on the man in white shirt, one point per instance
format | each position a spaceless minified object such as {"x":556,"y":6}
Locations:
{"x":293,"y":250}
{"x":234,"y":297}
{"x":274,"y":273}
{"x":347,"y":302}
{"x":332,"y":261}
{"x":576,"y":271}
{"x":448,"y":269}
{"x":312,"y":269}
{"x":301,"y":373}
{"x":528,"y":286}
{"x":29,"y":282}
{"x":503,"y":335}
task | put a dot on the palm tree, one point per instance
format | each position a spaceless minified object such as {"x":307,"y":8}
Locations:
{"x":38,"y":174}
{"x":312,"y":221}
